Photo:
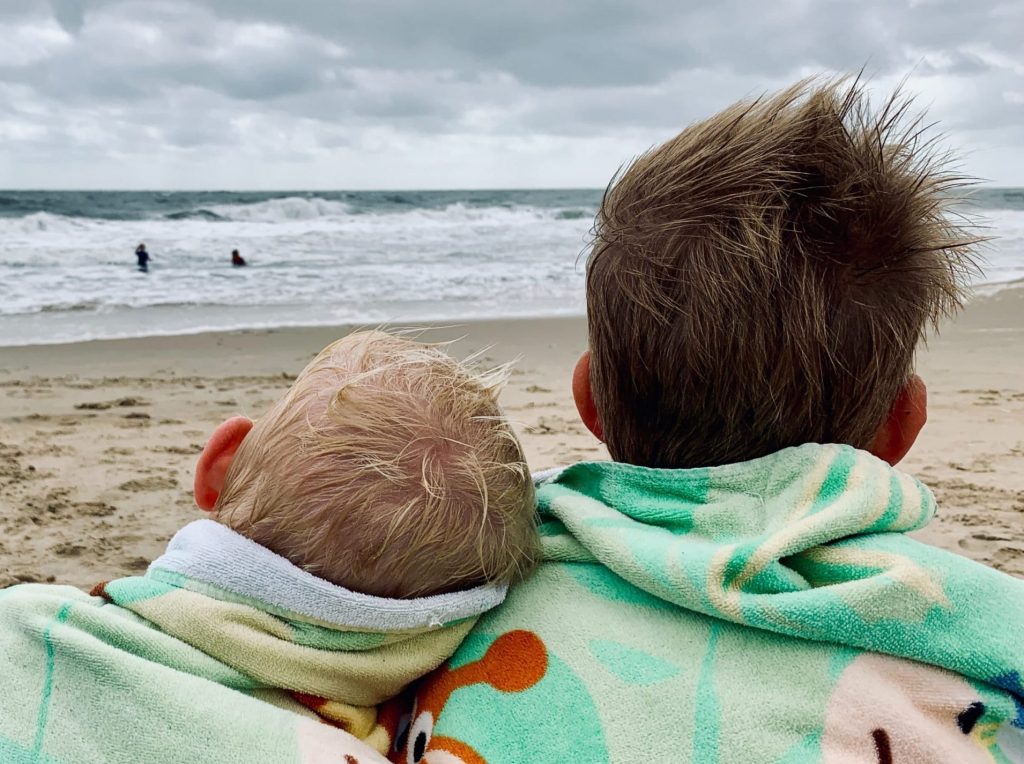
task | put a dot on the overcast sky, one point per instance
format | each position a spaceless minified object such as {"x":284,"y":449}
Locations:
{"x":314,"y":94}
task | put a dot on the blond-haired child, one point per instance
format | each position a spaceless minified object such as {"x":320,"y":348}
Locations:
{"x":387,"y":468}
{"x":357,"y":531}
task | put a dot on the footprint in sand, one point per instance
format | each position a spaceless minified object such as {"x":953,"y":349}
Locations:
{"x":128,"y":402}
{"x":1009,"y":559}
{"x":135,"y":563}
{"x":189,"y":450}
{"x":24,"y":577}
{"x":979,"y":541}
{"x":93,"y":508}
{"x":541,"y":428}
{"x":67,"y":549}
{"x":154,"y":483}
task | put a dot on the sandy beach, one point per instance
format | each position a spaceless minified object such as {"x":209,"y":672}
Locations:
{"x":98,"y":439}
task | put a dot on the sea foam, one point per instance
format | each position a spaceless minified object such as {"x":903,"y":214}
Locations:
{"x":67,"y":268}
{"x":311,"y":260}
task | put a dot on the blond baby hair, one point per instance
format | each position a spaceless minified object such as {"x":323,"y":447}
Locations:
{"x":389,"y":469}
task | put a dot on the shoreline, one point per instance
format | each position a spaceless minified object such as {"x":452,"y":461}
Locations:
{"x":979,"y":293}
{"x":98,"y":439}
{"x":48,"y":356}
{"x":568,"y":314}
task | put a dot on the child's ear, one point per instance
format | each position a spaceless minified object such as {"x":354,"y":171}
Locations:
{"x":216,"y":459}
{"x":906,"y":418}
{"x":584,"y":397}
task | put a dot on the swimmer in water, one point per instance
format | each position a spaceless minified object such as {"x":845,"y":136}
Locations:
{"x":236,"y":259}
{"x":143,"y":257}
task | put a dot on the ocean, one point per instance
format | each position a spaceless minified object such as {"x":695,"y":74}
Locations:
{"x":67,"y":263}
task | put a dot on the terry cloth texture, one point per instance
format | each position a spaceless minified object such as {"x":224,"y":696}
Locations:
{"x":222,"y":652}
{"x":768,"y":611}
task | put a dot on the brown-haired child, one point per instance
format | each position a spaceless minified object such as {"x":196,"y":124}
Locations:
{"x":762,"y":280}
{"x":737,"y":585}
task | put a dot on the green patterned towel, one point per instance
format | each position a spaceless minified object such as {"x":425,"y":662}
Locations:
{"x":223,"y":652}
{"x":756,"y":612}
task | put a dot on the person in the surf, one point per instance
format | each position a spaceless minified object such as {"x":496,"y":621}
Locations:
{"x":236,"y":259}
{"x":143,"y":257}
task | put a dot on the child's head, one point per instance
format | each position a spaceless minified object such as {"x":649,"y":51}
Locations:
{"x":387,"y":468}
{"x":762,"y":279}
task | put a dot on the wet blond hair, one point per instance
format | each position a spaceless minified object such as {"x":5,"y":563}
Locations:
{"x":762,"y":279}
{"x":387,"y":468}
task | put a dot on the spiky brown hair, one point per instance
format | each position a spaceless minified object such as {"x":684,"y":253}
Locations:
{"x":762,"y":279}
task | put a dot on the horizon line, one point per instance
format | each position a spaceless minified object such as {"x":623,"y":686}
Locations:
{"x":268,"y":190}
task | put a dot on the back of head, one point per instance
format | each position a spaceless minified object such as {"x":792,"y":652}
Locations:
{"x":388,"y":468}
{"x":762,"y":279}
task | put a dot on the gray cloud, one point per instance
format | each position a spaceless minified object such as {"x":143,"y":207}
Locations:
{"x":612,"y":43}
{"x":70,"y":14}
{"x":408,"y":92}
